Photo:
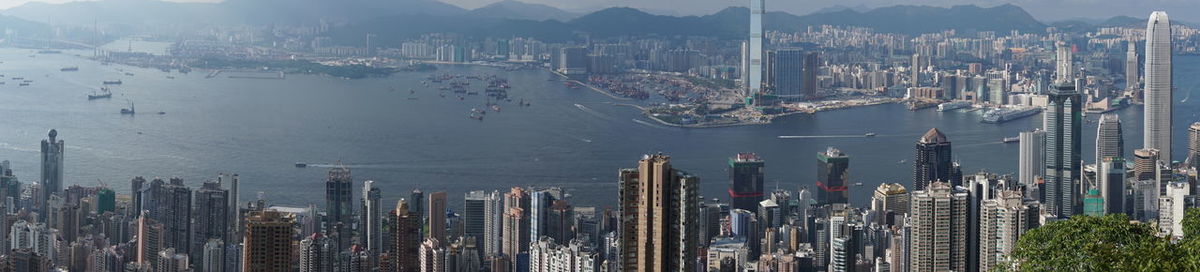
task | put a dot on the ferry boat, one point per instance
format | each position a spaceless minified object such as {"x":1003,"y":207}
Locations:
{"x":953,"y":105}
{"x":869,"y":134}
{"x":1008,"y":140}
{"x":1002,"y":115}
{"x":301,"y":165}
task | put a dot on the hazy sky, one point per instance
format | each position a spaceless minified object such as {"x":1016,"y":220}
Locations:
{"x":1046,"y":10}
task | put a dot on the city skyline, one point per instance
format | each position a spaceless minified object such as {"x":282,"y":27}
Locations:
{"x":619,"y":142}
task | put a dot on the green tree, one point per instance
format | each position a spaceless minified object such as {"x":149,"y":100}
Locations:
{"x":1088,"y":243}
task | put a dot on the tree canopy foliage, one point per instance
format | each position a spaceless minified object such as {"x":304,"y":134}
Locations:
{"x":1108,"y":243}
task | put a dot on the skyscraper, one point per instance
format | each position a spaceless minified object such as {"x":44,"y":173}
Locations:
{"x":1032,"y":158}
{"x":539,"y":206}
{"x":1145,"y":164}
{"x":939,"y":227}
{"x":149,"y":240}
{"x":436,"y":225}
{"x":755,"y":51}
{"x":812,"y":64}
{"x":1171,"y":208}
{"x":1131,"y":67}
{"x":432,"y":256}
{"x":891,"y":203}
{"x":1157,"y":126}
{"x":338,"y":210}
{"x":515,"y":238}
{"x":52,"y":170}
{"x":1063,"y":122}
{"x":373,"y":213}
{"x":745,"y":181}
{"x":211,"y":217}
{"x":230,"y":181}
{"x":1111,"y":177}
{"x":787,"y":72}
{"x":474,"y":214}
{"x":1193,"y":157}
{"x":933,"y":160}
{"x":176,"y":203}
{"x":661,"y":232}
{"x":316,"y":254}
{"x":408,"y":237}
{"x":832,"y":174}
{"x":493,"y":225}
{"x":1109,"y":138}
{"x":267,"y":245}
{"x":1064,"y":70}
{"x":1003,"y":220}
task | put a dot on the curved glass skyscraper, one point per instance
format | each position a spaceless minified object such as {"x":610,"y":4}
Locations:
{"x":1157,"y":129}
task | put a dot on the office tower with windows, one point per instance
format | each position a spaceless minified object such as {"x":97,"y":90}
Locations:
{"x":1156,"y":131}
{"x":754,"y":52}
{"x":1063,"y":122}
{"x":832,"y":177}
{"x":475,"y":214}
{"x":52,"y":170}
{"x":1131,"y":67}
{"x":890,"y":203}
{"x":372,"y":220}
{"x":1111,"y":182}
{"x":1109,"y":138}
{"x":231,"y":181}
{"x":339,"y":213}
{"x":933,"y":160}
{"x":745,"y":181}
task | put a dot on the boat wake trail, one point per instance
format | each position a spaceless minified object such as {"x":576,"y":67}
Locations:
{"x":593,"y":112}
{"x":819,"y":136}
{"x":635,"y":120}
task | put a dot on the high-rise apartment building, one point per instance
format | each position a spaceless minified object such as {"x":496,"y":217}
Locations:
{"x":1156,"y":131}
{"x":938,"y":240}
{"x":745,"y":181}
{"x":1003,"y":219}
{"x":1193,"y":158}
{"x":211,"y":217}
{"x":231,"y":181}
{"x":493,"y":225}
{"x":316,"y":254}
{"x":1171,"y":209}
{"x":175,"y":202}
{"x":660,"y":233}
{"x":407,"y":230}
{"x":436,"y":223}
{"x":267,"y":245}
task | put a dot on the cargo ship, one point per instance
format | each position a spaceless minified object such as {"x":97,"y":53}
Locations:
{"x":953,"y":105}
{"x":112,"y":82}
{"x":1002,"y":115}
{"x":69,"y":69}
{"x":103,"y":94}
